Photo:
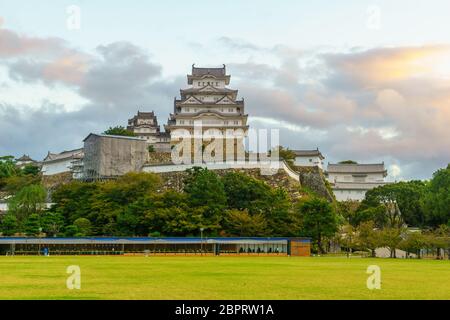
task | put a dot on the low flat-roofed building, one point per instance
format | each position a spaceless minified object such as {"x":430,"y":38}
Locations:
{"x":156,"y":246}
{"x":351,"y":181}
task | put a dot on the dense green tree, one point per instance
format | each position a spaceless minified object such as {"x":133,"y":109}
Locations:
{"x":52,"y":223}
{"x":32,"y":225}
{"x":347,"y":238}
{"x":74,"y":200}
{"x":29,"y":200}
{"x":347,"y":210}
{"x":391,"y":238}
{"x":245,"y":193}
{"x":205,"y":189}
{"x":439,"y":239}
{"x":241,"y":223}
{"x":286,"y":154}
{"x":348,"y":162}
{"x":31,"y":169}
{"x":9,"y":225}
{"x":280,"y":216}
{"x":406,"y":195}
{"x":319,"y":220}
{"x":70,"y":231}
{"x":8,"y":167}
{"x":83,"y":226}
{"x":14,"y":184}
{"x":130,"y":187}
{"x":368,"y":238}
{"x":436,"y":201}
{"x":414,"y":242}
{"x":119,"y":131}
{"x":257,"y":197}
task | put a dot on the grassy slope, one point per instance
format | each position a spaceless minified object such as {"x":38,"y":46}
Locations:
{"x":221,"y":278}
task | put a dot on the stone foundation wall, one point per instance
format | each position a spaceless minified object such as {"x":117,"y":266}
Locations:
{"x":314,"y":179}
{"x":174,"y":180}
{"x":159,"y":158}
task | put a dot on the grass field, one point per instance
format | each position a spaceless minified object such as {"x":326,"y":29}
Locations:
{"x":221,"y":278}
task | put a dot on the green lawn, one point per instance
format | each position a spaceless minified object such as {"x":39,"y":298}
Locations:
{"x":122,"y":277}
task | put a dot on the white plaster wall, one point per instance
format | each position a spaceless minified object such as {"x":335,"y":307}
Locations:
{"x":49,"y":169}
{"x":344,"y":195}
{"x":347,"y":177}
{"x":203,"y":82}
{"x":308,"y":162}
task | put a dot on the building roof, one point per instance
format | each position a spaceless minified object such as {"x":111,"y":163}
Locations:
{"x":309,"y":153}
{"x":216,"y":72}
{"x":145,"y":115}
{"x":112,"y":136}
{"x":356,"y":168}
{"x":213,"y":91}
{"x":71,"y":154}
{"x":24,"y":158}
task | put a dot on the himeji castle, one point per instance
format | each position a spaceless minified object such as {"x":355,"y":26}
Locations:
{"x":207,"y":102}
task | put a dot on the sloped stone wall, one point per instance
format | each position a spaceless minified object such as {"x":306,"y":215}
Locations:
{"x":314,"y":179}
{"x":174,"y":180}
{"x":159,"y":158}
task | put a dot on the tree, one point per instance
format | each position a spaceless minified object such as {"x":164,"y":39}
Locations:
{"x":29,"y":200}
{"x":406,"y":195}
{"x":83,"y":226}
{"x":347,"y":210}
{"x":436,"y":201}
{"x":31,"y":169}
{"x":32,"y":226}
{"x":439,"y":239}
{"x":119,"y":131}
{"x":105,"y":204}
{"x":205,"y":189}
{"x":368,"y":237}
{"x":281,"y":219}
{"x":391,"y":239}
{"x":76,"y":200}
{"x":8,"y":167}
{"x":14,"y":184}
{"x":70,"y":231}
{"x":348,"y":162}
{"x":242,"y":224}
{"x":319,"y":220}
{"x":52,"y":223}
{"x":9,"y":225}
{"x":244,"y":192}
{"x":414,"y":242}
{"x":287,"y":155}
{"x":347,"y":237}
{"x":375,"y":214}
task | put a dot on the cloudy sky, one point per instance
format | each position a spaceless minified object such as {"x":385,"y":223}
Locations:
{"x":361,"y":80}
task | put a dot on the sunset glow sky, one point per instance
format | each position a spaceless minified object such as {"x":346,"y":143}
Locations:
{"x":361,"y":80}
